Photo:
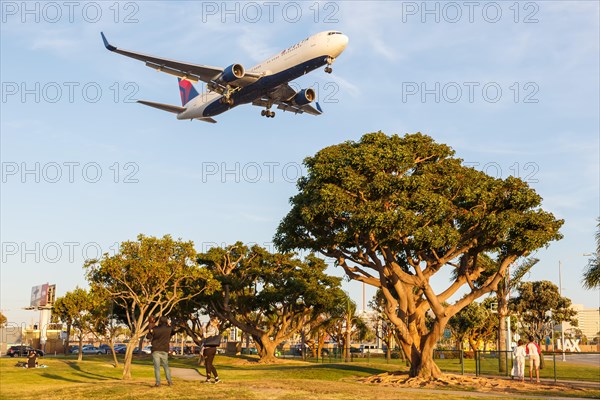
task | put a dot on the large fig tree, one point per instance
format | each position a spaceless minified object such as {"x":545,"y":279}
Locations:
{"x":395,"y":211}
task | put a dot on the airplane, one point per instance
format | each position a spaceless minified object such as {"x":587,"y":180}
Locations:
{"x":264,"y":85}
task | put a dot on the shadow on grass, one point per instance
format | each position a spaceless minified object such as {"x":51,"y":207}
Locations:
{"x":280,"y":367}
{"x":74,"y":365}
{"x":60,"y":378}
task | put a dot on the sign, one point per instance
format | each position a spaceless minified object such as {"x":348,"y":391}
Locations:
{"x":42,"y":295}
{"x":39,"y":295}
{"x":571,"y":345}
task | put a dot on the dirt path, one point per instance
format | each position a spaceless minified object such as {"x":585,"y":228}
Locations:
{"x":187,"y":374}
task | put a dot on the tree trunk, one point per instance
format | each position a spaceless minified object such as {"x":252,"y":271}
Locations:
{"x":348,"y":338}
{"x":473,"y":345}
{"x":422,"y":364}
{"x":80,"y":354}
{"x":141,"y":346}
{"x":68,"y":340}
{"x":111,"y":343}
{"x":502,"y":312}
{"x":266,"y":348}
{"x":419,"y":350}
{"x":127,"y":360}
{"x":320,"y":344}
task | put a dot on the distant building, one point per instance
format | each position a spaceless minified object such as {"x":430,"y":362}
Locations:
{"x":588,"y":321}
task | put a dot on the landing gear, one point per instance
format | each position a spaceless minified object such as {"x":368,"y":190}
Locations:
{"x":226,"y":100}
{"x":329,"y":61}
{"x":268,"y":113}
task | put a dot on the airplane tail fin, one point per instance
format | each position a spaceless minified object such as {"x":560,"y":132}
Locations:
{"x":186,"y":90}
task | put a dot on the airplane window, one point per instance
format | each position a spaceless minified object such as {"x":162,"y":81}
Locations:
{"x":335,"y":33}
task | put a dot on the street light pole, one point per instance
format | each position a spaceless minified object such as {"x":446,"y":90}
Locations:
{"x":562,"y":328}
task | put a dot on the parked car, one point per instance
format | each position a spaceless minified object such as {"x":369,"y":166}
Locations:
{"x":22,"y":351}
{"x":296,"y":350}
{"x":72,"y":348}
{"x":123,"y":350}
{"x":89,"y":350}
{"x":105,"y":348}
{"x":367,"y":349}
{"x":147,"y":350}
{"x":249,"y":350}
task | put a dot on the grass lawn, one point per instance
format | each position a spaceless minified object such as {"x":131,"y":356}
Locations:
{"x":243,"y":378}
{"x":564,"y":370}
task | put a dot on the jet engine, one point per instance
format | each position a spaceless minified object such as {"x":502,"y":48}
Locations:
{"x":305,"y":96}
{"x":232,"y":73}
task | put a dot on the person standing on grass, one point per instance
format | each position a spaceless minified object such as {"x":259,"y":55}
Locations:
{"x":212,"y":340}
{"x":160,"y":336}
{"x":533,"y":350}
{"x":519,"y":354}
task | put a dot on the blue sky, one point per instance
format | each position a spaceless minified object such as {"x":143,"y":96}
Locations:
{"x":512,"y":87}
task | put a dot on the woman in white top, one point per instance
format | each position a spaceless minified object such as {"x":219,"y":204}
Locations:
{"x":210,"y":349}
{"x":534,"y":359}
{"x":519,"y":355}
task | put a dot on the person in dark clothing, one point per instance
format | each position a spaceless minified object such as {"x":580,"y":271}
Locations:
{"x":212,"y":340}
{"x":32,"y":359}
{"x":160,"y":336}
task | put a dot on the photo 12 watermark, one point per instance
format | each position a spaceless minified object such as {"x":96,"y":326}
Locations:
{"x":453,"y":12}
{"x":251,"y":172}
{"x":54,"y":12}
{"x":69,"y":172}
{"x":526,"y":171}
{"x":469,"y":92}
{"x":55,"y":252}
{"x":68,"y":92}
{"x":270,"y":11}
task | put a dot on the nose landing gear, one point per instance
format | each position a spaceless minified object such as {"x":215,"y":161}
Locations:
{"x":329,"y":61}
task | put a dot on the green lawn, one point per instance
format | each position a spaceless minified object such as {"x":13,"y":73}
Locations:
{"x":242,"y":377}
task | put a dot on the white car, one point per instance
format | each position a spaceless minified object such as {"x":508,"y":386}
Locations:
{"x":147,"y":350}
{"x":370,"y":349}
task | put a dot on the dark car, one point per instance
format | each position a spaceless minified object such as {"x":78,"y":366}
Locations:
{"x":22,"y":351}
{"x":105,"y":348}
{"x":296,"y":350}
{"x":123,"y":350}
{"x":73,"y":348}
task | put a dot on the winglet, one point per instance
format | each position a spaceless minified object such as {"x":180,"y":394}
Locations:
{"x":106,"y":44}
{"x":319,"y":107}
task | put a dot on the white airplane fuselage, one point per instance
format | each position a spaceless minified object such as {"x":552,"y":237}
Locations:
{"x":311,"y":53}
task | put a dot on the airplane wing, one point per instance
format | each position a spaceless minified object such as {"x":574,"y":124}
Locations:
{"x":282,"y":96}
{"x":184,"y":70}
{"x":307,"y":108}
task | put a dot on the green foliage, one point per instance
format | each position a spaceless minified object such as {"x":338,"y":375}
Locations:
{"x":148,"y":277}
{"x":591,"y":276}
{"x":393,"y":211}
{"x":75,"y":309}
{"x":540,"y":307}
{"x":474,"y":322}
{"x":270,"y":296}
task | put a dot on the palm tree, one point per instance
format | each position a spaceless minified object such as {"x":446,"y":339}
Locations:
{"x":591,"y":277}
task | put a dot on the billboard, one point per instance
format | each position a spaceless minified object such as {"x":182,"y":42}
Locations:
{"x":39,"y":295}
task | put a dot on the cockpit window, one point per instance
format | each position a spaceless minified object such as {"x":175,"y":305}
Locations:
{"x":334,"y":33}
